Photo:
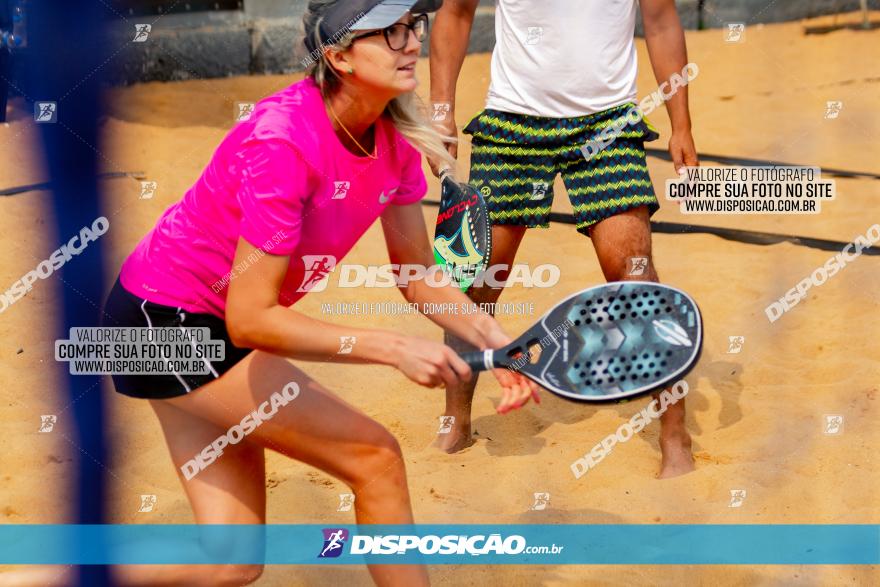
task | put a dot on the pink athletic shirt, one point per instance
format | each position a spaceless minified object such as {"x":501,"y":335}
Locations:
{"x":282,"y":181}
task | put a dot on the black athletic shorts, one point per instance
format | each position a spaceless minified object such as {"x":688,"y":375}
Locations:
{"x":124,"y":309}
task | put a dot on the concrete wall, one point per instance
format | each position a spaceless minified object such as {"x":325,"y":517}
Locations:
{"x":716,"y":13}
{"x":266,"y":36}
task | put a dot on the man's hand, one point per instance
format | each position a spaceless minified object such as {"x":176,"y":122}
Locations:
{"x":682,"y":150}
{"x":444,"y":123}
{"x":449,"y":43}
{"x":664,"y":38}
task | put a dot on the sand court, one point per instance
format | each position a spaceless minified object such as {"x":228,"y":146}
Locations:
{"x":758,"y":416}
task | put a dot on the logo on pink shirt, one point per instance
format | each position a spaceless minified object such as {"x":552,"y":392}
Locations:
{"x":317,"y":268}
{"x":341,"y":189}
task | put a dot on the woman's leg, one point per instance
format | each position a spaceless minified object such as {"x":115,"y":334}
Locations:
{"x":317,"y":428}
{"x":231,"y":491}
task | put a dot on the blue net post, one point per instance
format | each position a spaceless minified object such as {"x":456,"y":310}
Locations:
{"x":66,"y":54}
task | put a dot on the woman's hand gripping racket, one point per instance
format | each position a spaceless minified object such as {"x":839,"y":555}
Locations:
{"x":607,"y":343}
{"x":463,"y":235}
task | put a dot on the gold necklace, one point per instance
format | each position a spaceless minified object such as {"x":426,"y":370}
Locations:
{"x":333,"y":112}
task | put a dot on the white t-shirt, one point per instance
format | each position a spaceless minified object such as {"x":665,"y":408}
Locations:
{"x":563,"y":58}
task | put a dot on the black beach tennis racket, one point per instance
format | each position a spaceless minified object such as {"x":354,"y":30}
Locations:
{"x":463,"y":235}
{"x":607,"y":343}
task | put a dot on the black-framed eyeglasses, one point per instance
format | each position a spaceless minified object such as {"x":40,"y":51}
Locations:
{"x":397,"y":35}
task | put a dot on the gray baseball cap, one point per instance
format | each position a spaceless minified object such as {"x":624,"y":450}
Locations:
{"x":364,"y":15}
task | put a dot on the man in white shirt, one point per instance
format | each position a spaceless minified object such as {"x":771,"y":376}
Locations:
{"x":562,"y":100}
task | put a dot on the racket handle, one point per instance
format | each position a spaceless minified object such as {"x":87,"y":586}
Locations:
{"x":480,"y":361}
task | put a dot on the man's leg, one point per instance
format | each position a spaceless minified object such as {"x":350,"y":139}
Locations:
{"x":617,"y":240}
{"x":505,"y":242}
{"x":516,"y":181}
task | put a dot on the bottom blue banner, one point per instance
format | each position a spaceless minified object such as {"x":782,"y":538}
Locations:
{"x":440,"y":544}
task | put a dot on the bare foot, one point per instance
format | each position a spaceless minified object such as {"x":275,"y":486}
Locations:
{"x":457,"y":439}
{"x":677,"y":458}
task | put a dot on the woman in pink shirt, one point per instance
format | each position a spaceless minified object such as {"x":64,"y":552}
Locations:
{"x":287,"y":194}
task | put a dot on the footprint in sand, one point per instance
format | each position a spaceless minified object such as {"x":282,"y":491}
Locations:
{"x":446,"y":498}
{"x":717,"y":460}
{"x":319,"y":479}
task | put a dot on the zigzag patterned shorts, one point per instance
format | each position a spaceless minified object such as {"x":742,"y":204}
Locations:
{"x":515,"y":159}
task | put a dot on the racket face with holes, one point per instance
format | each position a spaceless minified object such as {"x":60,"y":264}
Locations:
{"x":462,"y":238}
{"x":614,"y":342}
